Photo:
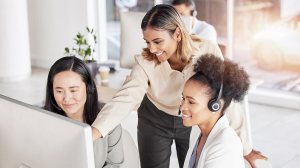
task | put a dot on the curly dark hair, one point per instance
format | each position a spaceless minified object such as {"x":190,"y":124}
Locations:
{"x":212,"y":72}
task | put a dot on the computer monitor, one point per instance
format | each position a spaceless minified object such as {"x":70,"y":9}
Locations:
{"x":31,"y":137}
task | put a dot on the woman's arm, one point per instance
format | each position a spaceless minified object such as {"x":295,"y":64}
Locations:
{"x":128,"y":97}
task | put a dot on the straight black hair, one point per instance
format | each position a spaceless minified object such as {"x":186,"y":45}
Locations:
{"x":71,"y":63}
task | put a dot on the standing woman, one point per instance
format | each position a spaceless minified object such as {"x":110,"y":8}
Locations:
{"x":205,"y":97}
{"x":71,"y":92}
{"x":155,"y":85}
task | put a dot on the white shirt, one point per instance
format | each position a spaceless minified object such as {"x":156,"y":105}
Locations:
{"x":222,"y":149}
{"x":205,"y":31}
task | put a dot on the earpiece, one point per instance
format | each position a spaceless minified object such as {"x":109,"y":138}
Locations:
{"x":215,"y":104}
{"x":193,"y":8}
{"x":90,"y":89}
{"x":56,"y":106}
{"x":179,"y":113}
{"x":193,"y":13}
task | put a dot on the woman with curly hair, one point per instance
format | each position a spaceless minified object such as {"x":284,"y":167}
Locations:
{"x":155,"y":86}
{"x":205,"y":97}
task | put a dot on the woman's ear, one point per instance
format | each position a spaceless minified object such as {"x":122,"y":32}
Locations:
{"x":177,"y":34}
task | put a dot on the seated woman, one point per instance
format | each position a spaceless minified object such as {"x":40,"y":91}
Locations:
{"x":205,"y":97}
{"x":71,"y":92}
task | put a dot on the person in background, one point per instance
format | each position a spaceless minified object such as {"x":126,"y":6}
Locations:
{"x":71,"y":92}
{"x":155,"y":85}
{"x":205,"y":97}
{"x":201,"y":28}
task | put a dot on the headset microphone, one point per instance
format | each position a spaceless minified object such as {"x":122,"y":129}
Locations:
{"x":215,"y":104}
{"x":58,"y":108}
{"x":179,"y":112}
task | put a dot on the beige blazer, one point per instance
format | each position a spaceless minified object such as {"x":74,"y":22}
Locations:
{"x":222,"y":149}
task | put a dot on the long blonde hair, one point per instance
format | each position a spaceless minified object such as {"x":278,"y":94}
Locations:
{"x":165,"y":17}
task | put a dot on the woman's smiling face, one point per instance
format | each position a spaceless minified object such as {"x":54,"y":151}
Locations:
{"x":70,"y":93}
{"x":161,"y":43}
{"x":194,"y":104}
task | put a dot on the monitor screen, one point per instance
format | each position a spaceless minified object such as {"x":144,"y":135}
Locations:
{"x":33,"y":138}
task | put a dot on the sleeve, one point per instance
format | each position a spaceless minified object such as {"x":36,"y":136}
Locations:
{"x":125,"y":100}
{"x":237,"y":120}
{"x":115,"y":153}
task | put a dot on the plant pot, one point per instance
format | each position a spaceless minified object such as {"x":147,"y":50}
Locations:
{"x":93,"y":68}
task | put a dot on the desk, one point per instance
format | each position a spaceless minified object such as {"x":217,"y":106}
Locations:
{"x":106,"y":91}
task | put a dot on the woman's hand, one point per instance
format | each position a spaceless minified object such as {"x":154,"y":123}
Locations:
{"x":253,"y":155}
{"x":96,"y":133}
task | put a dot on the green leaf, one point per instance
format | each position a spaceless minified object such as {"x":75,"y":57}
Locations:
{"x":78,"y":35}
{"x":81,"y":47}
{"x":67,"y":50}
{"x":88,"y":51}
{"x":81,"y":41}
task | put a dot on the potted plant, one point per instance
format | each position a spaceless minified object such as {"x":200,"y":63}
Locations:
{"x":85,"y":48}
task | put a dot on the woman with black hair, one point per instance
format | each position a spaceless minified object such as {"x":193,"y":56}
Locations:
{"x":71,"y":92}
{"x":205,"y":97}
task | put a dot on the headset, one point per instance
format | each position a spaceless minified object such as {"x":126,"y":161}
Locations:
{"x":90,"y":88}
{"x":215,"y":104}
{"x":193,"y":9}
{"x":54,"y":105}
{"x":193,"y":13}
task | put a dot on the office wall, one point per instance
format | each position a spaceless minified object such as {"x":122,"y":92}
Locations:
{"x":53,"y":24}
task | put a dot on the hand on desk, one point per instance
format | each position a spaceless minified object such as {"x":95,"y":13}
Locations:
{"x":96,"y":133}
{"x":253,"y":156}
